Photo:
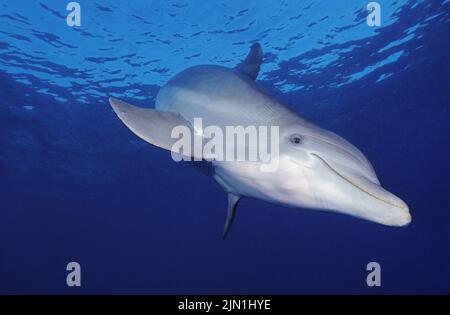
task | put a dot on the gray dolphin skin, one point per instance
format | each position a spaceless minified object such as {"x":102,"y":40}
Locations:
{"x":317,"y":169}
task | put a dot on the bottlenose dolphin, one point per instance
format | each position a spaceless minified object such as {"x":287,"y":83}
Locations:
{"x":317,"y":169}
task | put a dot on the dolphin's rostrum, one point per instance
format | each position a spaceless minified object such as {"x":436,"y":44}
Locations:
{"x":317,"y":169}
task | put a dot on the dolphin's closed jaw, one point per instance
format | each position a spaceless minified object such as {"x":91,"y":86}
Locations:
{"x":395,"y":213}
{"x":390,"y":211}
{"x":362,"y":197}
{"x":405,"y":218}
{"x":395,"y":216}
{"x":393,"y":210}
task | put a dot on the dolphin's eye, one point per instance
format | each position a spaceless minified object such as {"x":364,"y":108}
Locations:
{"x":295,"y":139}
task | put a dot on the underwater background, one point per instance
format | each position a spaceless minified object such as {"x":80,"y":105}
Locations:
{"x":77,"y":185}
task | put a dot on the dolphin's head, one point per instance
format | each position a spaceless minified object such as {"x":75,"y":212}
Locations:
{"x":321,"y":170}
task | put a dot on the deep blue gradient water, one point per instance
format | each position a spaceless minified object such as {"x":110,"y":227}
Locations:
{"x":76,"y":185}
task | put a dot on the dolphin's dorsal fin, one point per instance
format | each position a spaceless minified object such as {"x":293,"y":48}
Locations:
{"x":251,"y":64}
{"x":232,"y":204}
{"x":151,"y":125}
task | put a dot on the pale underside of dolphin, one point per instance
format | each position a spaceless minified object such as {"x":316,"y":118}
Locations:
{"x":317,"y":169}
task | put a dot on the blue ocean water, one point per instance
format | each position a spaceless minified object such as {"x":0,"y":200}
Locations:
{"x":76,"y":185}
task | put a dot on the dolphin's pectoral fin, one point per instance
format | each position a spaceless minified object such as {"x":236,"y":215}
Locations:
{"x":151,"y":125}
{"x":250,"y":66}
{"x":232,"y":204}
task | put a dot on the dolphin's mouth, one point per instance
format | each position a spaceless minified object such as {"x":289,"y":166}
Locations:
{"x":377,"y":193}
